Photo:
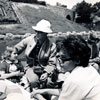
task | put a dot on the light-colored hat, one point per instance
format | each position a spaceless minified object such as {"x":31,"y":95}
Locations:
{"x":43,"y":26}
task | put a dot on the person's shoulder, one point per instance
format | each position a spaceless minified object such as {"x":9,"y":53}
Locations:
{"x":31,"y":36}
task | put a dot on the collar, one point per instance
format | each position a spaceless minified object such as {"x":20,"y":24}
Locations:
{"x":35,"y":38}
{"x":76,"y":68}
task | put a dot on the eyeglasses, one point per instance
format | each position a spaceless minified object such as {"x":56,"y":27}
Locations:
{"x":64,"y":58}
{"x":67,"y":59}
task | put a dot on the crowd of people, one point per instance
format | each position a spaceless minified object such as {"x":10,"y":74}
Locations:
{"x":65,"y":70}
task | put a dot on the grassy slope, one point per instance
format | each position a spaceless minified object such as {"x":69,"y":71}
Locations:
{"x":34,"y":13}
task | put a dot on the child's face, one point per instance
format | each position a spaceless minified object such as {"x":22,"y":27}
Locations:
{"x":14,"y":56}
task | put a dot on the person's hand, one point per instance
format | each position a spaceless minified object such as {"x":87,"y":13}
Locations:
{"x":36,"y":91}
{"x":44,"y":77}
{"x":33,"y":93}
{"x":21,"y":74}
{"x":91,"y":61}
{"x":95,"y":65}
{"x":17,"y":73}
{"x":2,"y":96}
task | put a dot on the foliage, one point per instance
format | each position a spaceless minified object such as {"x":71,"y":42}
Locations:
{"x":97,"y":5}
{"x":96,"y":9}
{"x":83,"y":11}
{"x":25,"y":1}
{"x":7,"y":14}
{"x":31,"y":1}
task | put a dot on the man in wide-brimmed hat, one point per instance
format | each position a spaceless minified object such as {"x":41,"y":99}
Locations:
{"x":40,"y":52}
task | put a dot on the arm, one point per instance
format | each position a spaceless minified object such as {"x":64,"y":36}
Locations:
{"x":38,"y":97}
{"x":95,"y":60}
{"x":20,"y":47}
{"x":37,"y":93}
{"x":55,"y":92}
{"x":9,"y":75}
{"x":4,"y":71}
{"x":4,"y":67}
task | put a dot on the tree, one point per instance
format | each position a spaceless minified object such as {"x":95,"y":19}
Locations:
{"x":25,"y":1}
{"x":96,"y":9}
{"x":83,"y":11}
{"x":97,"y":5}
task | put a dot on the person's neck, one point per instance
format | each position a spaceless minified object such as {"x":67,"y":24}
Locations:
{"x":72,"y":67}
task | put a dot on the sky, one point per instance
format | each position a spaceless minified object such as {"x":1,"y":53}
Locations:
{"x":69,"y":3}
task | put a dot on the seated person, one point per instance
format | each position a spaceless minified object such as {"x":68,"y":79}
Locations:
{"x":40,"y":53}
{"x":11,"y":68}
{"x":12,"y":91}
{"x":83,"y":81}
{"x":94,"y":44}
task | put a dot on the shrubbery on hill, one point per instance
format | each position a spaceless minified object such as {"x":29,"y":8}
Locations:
{"x":25,"y":1}
{"x":31,"y":1}
{"x":83,"y":11}
{"x":7,"y":14}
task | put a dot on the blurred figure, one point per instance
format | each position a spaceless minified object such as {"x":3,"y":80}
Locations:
{"x":94,"y":44}
{"x":12,"y":91}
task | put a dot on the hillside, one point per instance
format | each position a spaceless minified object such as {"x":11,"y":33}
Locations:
{"x":30,"y":14}
{"x":34,"y":13}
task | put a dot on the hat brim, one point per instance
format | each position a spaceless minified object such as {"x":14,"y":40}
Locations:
{"x":42,"y":30}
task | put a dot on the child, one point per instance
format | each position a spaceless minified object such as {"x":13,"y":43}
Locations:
{"x":11,"y":68}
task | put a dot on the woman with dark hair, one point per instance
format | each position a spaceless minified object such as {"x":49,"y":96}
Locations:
{"x":83,"y":81}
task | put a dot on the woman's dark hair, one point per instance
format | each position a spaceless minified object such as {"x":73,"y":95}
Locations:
{"x":59,"y":42}
{"x":77,"y":49}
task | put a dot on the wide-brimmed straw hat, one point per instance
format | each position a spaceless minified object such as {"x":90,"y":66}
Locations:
{"x":43,"y":26}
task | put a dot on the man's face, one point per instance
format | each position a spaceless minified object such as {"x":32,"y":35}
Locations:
{"x":40,"y":35}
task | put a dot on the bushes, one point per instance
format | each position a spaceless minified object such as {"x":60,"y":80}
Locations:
{"x":25,"y":1}
{"x":31,"y":1}
{"x":7,"y":13}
